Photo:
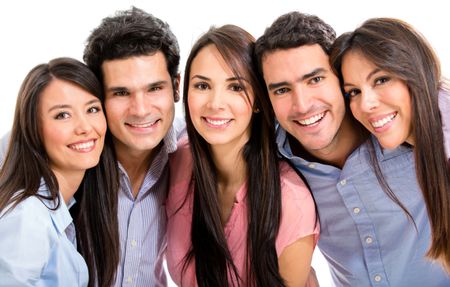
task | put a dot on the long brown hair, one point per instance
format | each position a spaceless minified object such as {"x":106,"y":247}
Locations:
{"x":213,"y":262}
{"x":394,"y":46}
{"x":26,"y":164}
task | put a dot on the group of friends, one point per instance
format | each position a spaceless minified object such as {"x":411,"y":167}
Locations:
{"x":288,"y":141}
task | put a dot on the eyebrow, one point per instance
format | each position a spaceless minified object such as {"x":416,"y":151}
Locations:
{"x":376,"y":70}
{"x":123,"y":88}
{"x":311,"y":74}
{"x":228,"y":79}
{"x":58,"y":107}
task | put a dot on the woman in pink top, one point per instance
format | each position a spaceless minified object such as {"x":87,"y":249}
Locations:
{"x":236,"y":215}
{"x":392,"y":79}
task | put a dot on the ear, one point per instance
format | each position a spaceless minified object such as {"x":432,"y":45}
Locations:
{"x":176,"y":89}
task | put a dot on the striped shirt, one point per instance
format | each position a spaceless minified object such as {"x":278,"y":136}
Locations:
{"x":142,"y":220}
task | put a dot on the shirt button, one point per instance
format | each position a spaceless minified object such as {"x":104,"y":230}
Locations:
{"x":369,"y":240}
{"x":356,"y":210}
{"x":129,"y":279}
{"x":377,"y":278}
{"x":133,"y":243}
{"x":311,"y":165}
{"x":343,"y":182}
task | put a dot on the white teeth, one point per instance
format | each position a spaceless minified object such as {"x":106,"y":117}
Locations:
{"x":383,"y":121}
{"x":218,"y":122}
{"x":311,"y":120}
{"x":144,"y":125}
{"x":82,"y":146}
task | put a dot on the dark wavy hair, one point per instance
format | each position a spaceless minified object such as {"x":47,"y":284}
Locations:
{"x":213,"y":262}
{"x":293,"y":30}
{"x":26,"y":164}
{"x":130,"y":33}
{"x":396,"y":47}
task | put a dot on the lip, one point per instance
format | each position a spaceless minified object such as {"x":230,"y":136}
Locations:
{"x":84,"y":146}
{"x":383,"y":122}
{"x":217,"y":123}
{"x":142,"y":126}
{"x":312,"y":121}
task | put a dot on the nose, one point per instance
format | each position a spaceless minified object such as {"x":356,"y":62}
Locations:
{"x":301,"y":101}
{"x":83,"y":126}
{"x":137,"y":105}
{"x":215,"y":101}
{"x":369,"y":100}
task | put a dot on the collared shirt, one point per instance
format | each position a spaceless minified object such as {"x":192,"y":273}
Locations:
{"x":298,"y":218}
{"x":142,"y":220}
{"x":36,"y":246}
{"x":366,"y":238}
{"x":444,"y":107}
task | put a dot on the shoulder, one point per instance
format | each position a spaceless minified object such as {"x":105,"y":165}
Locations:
{"x":298,"y":214}
{"x":29,"y":230}
{"x":292,"y":185}
{"x":180,"y":164}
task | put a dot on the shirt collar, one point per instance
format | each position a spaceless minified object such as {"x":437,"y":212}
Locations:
{"x":61,"y":216}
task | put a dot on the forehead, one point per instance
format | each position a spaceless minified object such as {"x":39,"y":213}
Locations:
{"x":209,"y":60}
{"x":63,"y":92}
{"x":135,"y":69}
{"x":298,"y":60}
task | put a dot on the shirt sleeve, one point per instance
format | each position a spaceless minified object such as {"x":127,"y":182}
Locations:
{"x":298,"y":215}
{"x":444,"y":107}
{"x":4,"y":146}
{"x":24,"y":243}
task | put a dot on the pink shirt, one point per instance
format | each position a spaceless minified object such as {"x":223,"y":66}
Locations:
{"x":444,"y":107}
{"x":298,"y":218}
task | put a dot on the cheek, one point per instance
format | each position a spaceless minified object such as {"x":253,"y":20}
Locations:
{"x":355,"y":108}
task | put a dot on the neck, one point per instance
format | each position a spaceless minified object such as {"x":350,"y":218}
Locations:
{"x":136,"y":165}
{"x":68,"y":183}
{"x":231,"y":175}
{"x":229,"y":163}
{"x":349,"y":136}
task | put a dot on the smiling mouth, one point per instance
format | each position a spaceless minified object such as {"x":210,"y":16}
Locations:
{"x":86,"y":146}
{"x":382,"y":122}
{"x":312,"y":120}
{"x":142,"y":125}
{"x":217,"y":122}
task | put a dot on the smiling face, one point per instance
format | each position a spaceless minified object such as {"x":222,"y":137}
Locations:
{"x":139,"y":102}
{"x":305,"y":95}
{"x":220,"y":110}
{"x":73,"y":127}
{"x":379,"y":100}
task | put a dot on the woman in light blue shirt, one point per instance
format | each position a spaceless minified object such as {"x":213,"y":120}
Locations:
{"x":393,"y":81}
{"x":55,"y":146}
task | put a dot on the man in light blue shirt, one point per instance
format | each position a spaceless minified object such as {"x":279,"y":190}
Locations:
{"x":136,"y":55}
{"x":367,"y":238}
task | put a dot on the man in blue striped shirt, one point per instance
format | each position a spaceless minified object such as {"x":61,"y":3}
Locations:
{"x":367,"y":239}
{"x":137,"y":56}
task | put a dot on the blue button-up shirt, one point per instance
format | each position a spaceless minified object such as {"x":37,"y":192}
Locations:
{"x":142,"y":220}
{"x":366,"y":238}
{"x":36,"y":246}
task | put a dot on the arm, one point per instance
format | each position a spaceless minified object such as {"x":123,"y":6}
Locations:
{"x":295,"y":261}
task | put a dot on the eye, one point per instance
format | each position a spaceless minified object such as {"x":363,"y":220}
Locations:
{"x":94,"y":109}
{"x":316,"y":80}
{"x":236,"y":87}
{"x":382,"y":80}
{"x":155,"y":88}
{"x":352,"y":93}
{"x":201,"y":86}
{"x":62,"y":116}
{"x":121,"y":93}
{"x":281,"y":91}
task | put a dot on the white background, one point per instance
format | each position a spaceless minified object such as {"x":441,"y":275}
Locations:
{"x":33,"y":32}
